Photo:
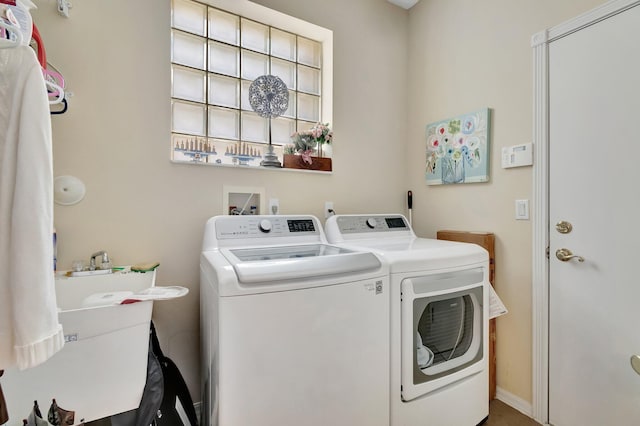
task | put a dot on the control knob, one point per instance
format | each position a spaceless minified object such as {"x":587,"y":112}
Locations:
{"x":265,"y":225}
{"x":371,"y":223}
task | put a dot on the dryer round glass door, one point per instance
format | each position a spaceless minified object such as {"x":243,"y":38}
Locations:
{"x":442,"y":330}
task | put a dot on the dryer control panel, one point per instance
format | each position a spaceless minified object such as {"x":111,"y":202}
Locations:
{"x":354,"y":224}
{"x":351,"y":227}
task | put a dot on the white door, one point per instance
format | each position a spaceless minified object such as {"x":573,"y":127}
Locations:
{"x":594,"y":184}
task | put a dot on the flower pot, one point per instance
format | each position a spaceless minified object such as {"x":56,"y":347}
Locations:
{"x":293,"y":161}
{"x":452,"y":170}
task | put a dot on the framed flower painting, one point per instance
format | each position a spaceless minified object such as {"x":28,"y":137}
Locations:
{"x":458,"y":149}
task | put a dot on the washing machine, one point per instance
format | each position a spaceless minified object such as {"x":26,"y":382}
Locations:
{"x":439,"y":319}
{"x":294,"y":331}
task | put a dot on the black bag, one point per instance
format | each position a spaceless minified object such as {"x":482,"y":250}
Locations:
{"x":164,"y":388}
{"x":153,"y":389}
{"x":175,"y":390}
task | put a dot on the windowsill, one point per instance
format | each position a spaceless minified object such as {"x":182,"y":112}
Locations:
{"x":231,"y":166}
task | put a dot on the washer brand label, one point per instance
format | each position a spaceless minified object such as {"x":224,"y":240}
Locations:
{"x":71,"y":338}
{"x":377,"y":287}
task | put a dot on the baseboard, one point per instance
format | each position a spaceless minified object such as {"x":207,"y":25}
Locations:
{"x":514,"y":401}
{"x":197,"y":406}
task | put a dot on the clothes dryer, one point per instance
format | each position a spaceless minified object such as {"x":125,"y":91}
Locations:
{"x":439,"y":319}
{"x":294,"y":331}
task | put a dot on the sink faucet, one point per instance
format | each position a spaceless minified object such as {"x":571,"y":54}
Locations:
{"x":106,"y":263}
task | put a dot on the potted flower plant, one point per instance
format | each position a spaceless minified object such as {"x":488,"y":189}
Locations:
{"x":306,"y":144}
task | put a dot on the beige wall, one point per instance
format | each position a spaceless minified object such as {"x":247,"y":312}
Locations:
{"x":465,"y":55}
{"x":115,"y":137}
{"x":394,"y":72}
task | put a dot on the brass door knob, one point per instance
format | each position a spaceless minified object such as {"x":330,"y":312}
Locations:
{"x":566,"y":255}
{"x":635,"y":363}
{"x":563,"y":227}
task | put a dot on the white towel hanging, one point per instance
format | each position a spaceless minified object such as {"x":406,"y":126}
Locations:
{"x":30,"y":332}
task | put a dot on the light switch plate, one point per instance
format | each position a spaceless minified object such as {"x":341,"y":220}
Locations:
{"x":522,"y":209}
{"x":517,"y":156}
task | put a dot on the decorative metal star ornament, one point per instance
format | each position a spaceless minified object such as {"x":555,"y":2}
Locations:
{"x":269,"y":98}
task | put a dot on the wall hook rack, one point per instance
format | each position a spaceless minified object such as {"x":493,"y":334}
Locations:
{"x":63,"y":7}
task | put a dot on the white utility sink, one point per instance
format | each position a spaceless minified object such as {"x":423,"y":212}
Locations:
{"x":102,"y":368}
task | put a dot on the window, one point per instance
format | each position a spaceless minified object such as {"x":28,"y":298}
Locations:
{"x":217,"y":50}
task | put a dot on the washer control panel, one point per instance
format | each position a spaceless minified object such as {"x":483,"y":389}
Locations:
{"x":236,"y":227}
{"x":265,"y":225}
{"x":371,"y":223}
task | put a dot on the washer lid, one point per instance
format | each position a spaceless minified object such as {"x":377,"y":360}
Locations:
{"x":275,"y":263}
{"x":412,"y":254}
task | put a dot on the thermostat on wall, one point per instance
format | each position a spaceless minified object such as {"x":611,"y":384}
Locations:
{"x":517,"y":155}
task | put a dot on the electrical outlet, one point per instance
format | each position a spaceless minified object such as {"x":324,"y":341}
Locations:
{"x":274,"y":206}
{"x":328,"y":209}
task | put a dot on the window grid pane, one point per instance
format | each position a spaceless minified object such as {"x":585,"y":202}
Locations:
{"x":188,"y":83}
{"x":308,"y":107}
{"x":309,"y":52}
{"x":188,"y":49}
{"x":281,"y":130}
{"x":244,"y":95}
{"x":254,"y":36}
{"x":254,"y":128}
{"x":285,"y":70}
{"x":308,"y":80}
{"x":189,"y":16}
{"x":283,"y":45}
{"x":224,"y":59}
{"x":224,"y":91}
{"x":234,"y":50}
{"x":254,"y":65}
{"x":224,"y":27}
{"x":224,"y":123}
{"x":188,"y":117}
